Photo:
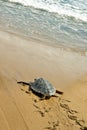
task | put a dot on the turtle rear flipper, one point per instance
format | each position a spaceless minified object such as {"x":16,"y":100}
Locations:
{"x":59,"y":92}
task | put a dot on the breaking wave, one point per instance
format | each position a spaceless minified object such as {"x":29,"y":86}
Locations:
{"x":71,"y":8}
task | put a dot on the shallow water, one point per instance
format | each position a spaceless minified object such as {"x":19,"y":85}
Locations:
{"x":58,"y":22}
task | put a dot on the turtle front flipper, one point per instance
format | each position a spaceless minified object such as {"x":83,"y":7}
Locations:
{"x":23,"y":83}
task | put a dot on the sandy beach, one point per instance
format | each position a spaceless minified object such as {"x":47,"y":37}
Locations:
{"x":23,"y":59}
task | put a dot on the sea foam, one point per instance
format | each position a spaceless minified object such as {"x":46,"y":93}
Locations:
{"x":71,"y":8}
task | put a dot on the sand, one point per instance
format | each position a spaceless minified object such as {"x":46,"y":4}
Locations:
{"x":23,"y":59}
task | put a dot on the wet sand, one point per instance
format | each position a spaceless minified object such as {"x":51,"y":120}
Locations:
{"x":24,"y":59}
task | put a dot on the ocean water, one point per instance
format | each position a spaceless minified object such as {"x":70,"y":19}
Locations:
{"x":57,"y":22}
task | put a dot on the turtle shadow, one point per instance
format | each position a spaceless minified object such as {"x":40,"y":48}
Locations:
{"x":35,"y":93}
{"x":41,"y":96}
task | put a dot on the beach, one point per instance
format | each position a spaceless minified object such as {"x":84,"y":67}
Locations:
{"x":43,"y":39}
{"x":24,"y":59}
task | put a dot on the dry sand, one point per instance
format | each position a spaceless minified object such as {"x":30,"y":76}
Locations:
{"x":26,"y":59}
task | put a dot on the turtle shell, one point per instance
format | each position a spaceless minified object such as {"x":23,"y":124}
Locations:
{"x":43,"y":87}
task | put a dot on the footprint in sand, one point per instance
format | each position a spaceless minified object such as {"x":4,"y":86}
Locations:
{"x":53,"y":125}
{"x":71,"y":114}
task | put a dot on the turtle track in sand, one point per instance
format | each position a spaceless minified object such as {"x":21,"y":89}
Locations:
{"x":56,"y":114}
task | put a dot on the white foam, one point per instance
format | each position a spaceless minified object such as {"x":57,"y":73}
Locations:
{"x":56,"y":6}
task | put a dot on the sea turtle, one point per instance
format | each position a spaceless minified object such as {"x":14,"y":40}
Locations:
{"x":43,"y":87}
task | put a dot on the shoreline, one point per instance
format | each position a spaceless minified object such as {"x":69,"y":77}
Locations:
{"x":59,"y":62}
{"x":46,"y":42}
{"x":22,"y":59}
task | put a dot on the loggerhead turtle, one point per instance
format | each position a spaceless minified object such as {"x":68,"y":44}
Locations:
{"x":43,"y":87}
